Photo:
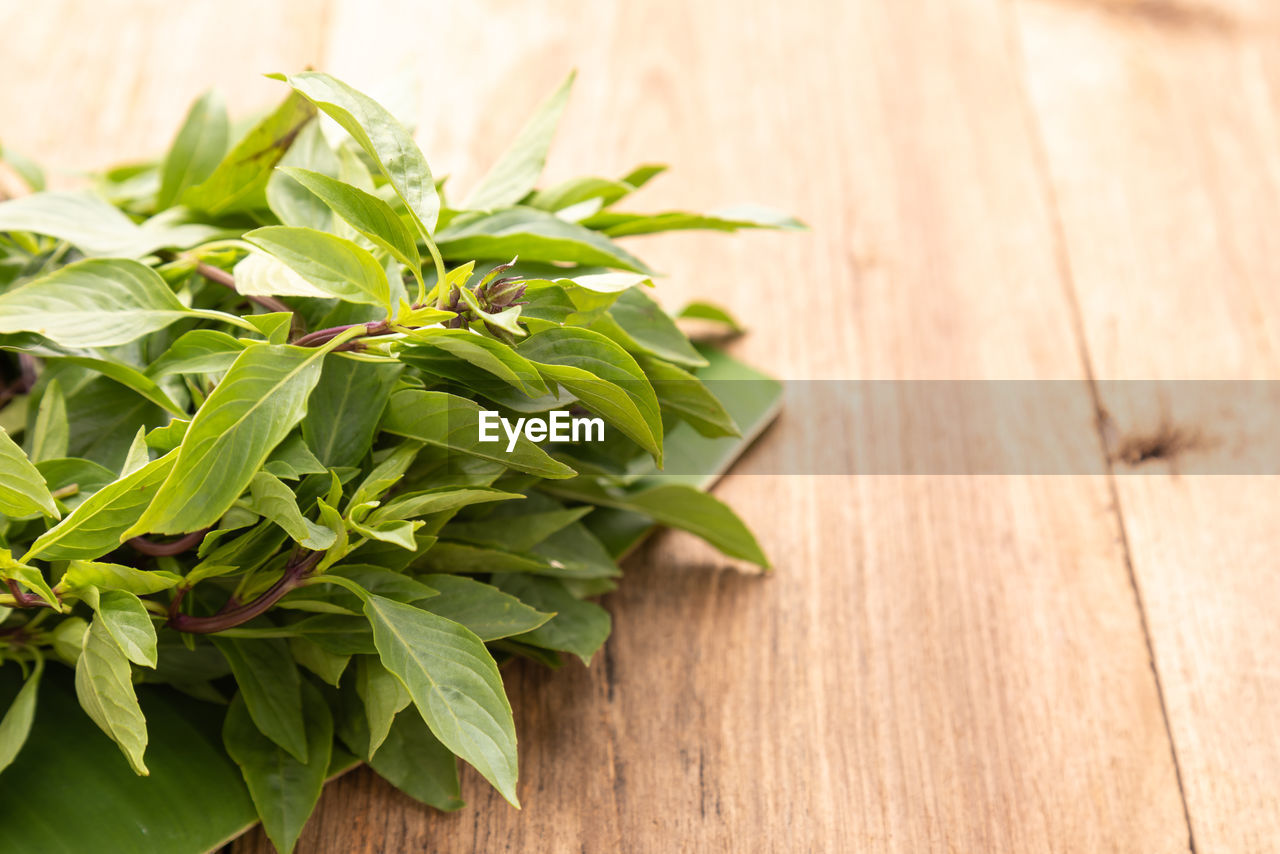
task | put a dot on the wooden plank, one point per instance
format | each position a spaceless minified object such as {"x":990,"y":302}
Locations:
{"x":1159,"y":123}
{"x":939,"y":663}
{"x":93,"y":84}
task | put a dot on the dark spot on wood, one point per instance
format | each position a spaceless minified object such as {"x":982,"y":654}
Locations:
{"x":1183,"y":16}
{"x":1167,"y":442}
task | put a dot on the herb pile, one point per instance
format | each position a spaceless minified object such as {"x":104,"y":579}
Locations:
{"x":239,"y":444}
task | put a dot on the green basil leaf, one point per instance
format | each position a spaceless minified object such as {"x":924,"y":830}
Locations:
{"x":260,"y":275}
{"x":327,"y":665}
{"x":126,"y":620}
{"x":640,"y":325}
{"x":604,"y":377}
{"x":104,"y":684}
{"x":688,"y":398}
{"x":482,"y":608}
{"x":533,"y":235}
{"x":454,"y":683}
{"x":677,"y":506}
{"x":713,"y":313}
{"x":197,"y":149}
{"x":517,"y":532}
{"x":578,"y":627}
{"x":491,"y":356}
{"x":335,"y":266}
{"x":200,"y":351}
{"x":16,"y":725}
{"x":438,"y":500}
{"x":127,"y":376}
{"x":344,"y":410}
{"x":289,"y":200}
{"x":98,"y":302}
{"x":728,"y":219}
{"x":259,"y":401}
{"x":415,"y":762}
{"x":86,"y":221}
{"x":52,"y":432}
{"x":453,"y":423}
{"x":239,"y":181}
{"x":380,"y":135}
{"x":82,"y":574}
{"x":284,"y":789}
{"x":96,"y":526}
{"x":23,"y":491}
{"x":517,"y":170}
{"x":383,"y":695}
{"x":272,"y":689}
{"x":270,"y":498}
{"x":364,"y":212}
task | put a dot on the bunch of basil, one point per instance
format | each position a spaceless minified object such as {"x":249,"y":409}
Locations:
{"x":239,"y":449}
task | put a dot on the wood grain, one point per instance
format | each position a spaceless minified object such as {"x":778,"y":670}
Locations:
{"x":1167,"y":217}
{"x":939,"y":663}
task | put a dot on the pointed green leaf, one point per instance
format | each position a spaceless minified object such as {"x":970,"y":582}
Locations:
{"x":728,"y":219}
{"x":482,"y":608}
{"x":126,"y":620}
{"x":335,"y":266}
{"x":578,"y":627}
{"x":604,"y":377}
{"x":104,"y":684}
{"x":640,"y":325}
{"x":534,"y":235}
{"x":453,"y":423}
{"x":454,"y":683}
{"x":23,"y":491}
{"x":364,"y":212}
{"x":489,"y":355}
{"x":239,"y":181}
{"x":16,"y":724}
{"x":271,"y":687}
{"x":415,"y":762}
{"x":380,"y":135}
{"x":196,"y":150}
{"x":259,"y":401}
{"x":283,"y":789}
{"x":344,"y":409}
{"x":383,"y":695}
{"x":275,"y":501}
{"x":517,"y":170}
{"x":95,"y":527}
{"x":688,"y":398}
{"x":52,"y":432}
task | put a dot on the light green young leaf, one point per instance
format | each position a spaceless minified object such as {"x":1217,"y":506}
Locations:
{"x":575,"y":191}
{"x":712,"y":313}
{"x":275,"y":501}
{"x":454,"y":683}
{"x":728,"y":219}
{"x":517,"y":170}
{"x":335,"y":266}
{"x":415,"y":762}
{"x":126,"y":620}
{"x":98,"y":302}
{"x":95,"y":527}
{"x":82,"y":574}
{"x":482,"y":608}
{"x":395,"y":531}
{"x":23,"y":491}
{"x":604,"y":377}
{"x":289,"y":200}
{"x":239,"y":181}
{"x":383,"y":695}
{"x":453,"y":423}
{"x":196,"y":150}
{"x":104,"y":684}
{"x":578,"y":627}
{"x":52,"y":431}
{"x":16,"y":725}
{"x":200,"y":351}
{"x":438,"y":500}
{"x":271,"y":687}
{"x":83,"y":219}
{"x":380,"y":135}
{"x":534,"y":235}
{"x":262,"y":397}
{"x":283,"y":789}
{"x":127,"y":376}
{"x":260,"y":275}
{"x":29,"y":576}
{"x":364,"y":212}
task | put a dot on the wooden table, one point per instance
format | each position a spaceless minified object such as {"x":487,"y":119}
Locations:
{"x":1030,"y":189}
